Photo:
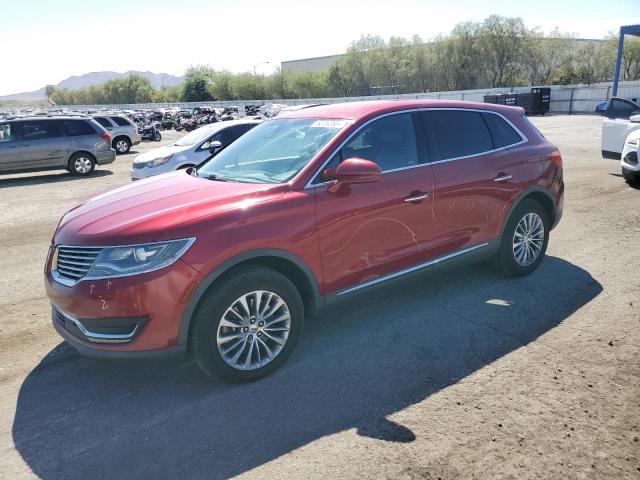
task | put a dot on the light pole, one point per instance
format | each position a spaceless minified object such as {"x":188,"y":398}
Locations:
{"x":258,"y":64}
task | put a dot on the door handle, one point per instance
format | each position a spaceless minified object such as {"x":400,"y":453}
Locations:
{"x":416,"y":197}
{"x":502,"y":177}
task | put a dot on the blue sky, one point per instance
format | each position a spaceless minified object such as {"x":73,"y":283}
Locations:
{"x":45,"y":41}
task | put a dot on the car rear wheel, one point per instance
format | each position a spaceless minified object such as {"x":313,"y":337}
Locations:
{"x":121,"y":145}
{"x":524,"y":241}
{"x":82,"y":164}
{"x":248,"y":325}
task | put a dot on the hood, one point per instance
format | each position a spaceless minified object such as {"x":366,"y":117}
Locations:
{"x":161,"y":152}
{"x":148,"y":209}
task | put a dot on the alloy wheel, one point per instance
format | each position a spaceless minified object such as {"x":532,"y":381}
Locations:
{"x":82,"y":165}
{"x":122,"y":146}
{"x":528,"y":239}
{"x":253,"y":330}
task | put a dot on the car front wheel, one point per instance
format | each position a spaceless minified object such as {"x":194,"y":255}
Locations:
{"x":247,"y":325}
{"x":630,"y":176}
{"x":524,"y":241}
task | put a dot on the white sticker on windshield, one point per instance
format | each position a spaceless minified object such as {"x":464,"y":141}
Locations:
{"x":330,"y":123}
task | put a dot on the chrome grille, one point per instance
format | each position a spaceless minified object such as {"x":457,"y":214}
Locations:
{"x":73,"y":263}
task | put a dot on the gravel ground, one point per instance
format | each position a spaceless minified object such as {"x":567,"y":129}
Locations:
{"x":465,"y":375}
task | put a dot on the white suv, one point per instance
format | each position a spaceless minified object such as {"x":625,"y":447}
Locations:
{"x":621,"y":135}
{"x":122,"y":130}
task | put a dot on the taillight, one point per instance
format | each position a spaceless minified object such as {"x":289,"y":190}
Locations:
{"x":556,"y":158}
{"x":105,"y":136}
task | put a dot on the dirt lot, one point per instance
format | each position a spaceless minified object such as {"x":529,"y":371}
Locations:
{"x":465,"y":376}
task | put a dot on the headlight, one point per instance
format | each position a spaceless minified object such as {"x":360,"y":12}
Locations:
{"x":152,"y":163}
{"x":135,"y":259}
{"x":159,"y":161}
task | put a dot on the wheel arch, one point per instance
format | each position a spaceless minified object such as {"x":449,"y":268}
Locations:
{"x":121,"y":135}
{"x":540,"y":195}
{"x":291,"y":266}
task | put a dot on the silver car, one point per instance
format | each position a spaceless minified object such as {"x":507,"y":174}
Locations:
{"x":123,"y":132}
{"x":191,"y":150}
{"x":75,"y":143}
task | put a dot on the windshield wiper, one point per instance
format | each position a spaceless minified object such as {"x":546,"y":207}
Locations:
{"x":217,"y":178}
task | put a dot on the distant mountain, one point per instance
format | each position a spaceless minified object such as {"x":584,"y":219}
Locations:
{"x":77,"y":82}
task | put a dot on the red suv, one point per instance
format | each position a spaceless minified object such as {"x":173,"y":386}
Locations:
{"x":305,"y":209}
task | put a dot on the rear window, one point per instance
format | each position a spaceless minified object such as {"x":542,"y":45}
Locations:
{"x":76,"y":128}
{"x":104,"y":122}
{"x":459,"y":133}
{"x":502,"y":133}
{"x":121,"y":122}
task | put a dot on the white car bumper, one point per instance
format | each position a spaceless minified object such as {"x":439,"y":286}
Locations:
{"x":629,"y":160}
{"x":145,"y":172}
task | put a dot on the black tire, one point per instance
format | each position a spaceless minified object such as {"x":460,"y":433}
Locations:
{"x":505,"y":261}
{"x":218,"y":299}
{"x":157,"y":136}
{"x":121,"y":145}
{"x":81,"y":164}
{"x":630,"y":176}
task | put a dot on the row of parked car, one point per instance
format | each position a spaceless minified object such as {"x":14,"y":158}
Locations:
{"x":78,"y":142}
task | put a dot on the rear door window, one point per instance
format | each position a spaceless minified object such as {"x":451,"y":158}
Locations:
{"x":104,"y":122}
{"x":458,"y":133}
{"x":76,"y":128}
{"x":502,"y":133}
{"x":40,"y":130}
{"x":121,"y":122}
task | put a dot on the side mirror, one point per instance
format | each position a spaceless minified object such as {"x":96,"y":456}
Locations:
{"x":354,"y":170}
{"x":215,"y":146}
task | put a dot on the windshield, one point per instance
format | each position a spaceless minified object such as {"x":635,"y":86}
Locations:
{"x":197,"y":136}
{"x":273,"y":152}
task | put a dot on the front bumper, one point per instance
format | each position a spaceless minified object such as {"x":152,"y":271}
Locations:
{"x":129,"y":316}
{"x":629,"y":160}
{"x":105,"y":156}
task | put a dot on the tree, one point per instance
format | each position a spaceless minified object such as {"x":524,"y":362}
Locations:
{"x":196,"y":84}
{"x":220,"y":86}
{"x":49,"y":90}
{"x":501,"y":46}
{"x":544,"y":57}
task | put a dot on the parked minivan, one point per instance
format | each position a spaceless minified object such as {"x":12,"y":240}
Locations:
{"x":226,"y":261}
{"x":75,"y":143}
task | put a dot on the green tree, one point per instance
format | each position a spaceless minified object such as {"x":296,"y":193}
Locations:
{"x":501,"y":47}
{"x":197,"y":84}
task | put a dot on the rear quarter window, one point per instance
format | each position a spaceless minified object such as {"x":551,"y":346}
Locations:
{"x":77,"y":128}
{"x":502,"y":133}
